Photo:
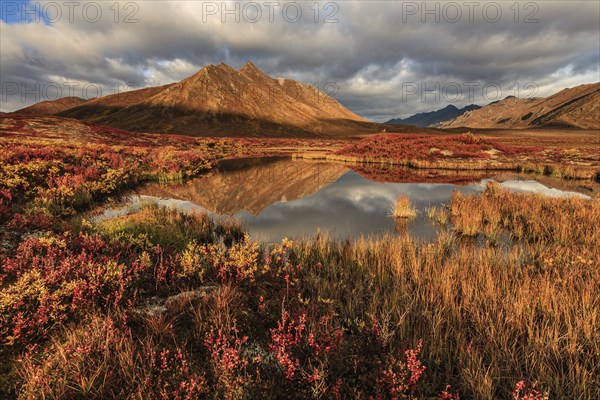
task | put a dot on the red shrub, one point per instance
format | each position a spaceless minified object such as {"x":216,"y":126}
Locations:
{"x":284,"y":339}
{"x":524,"y":392}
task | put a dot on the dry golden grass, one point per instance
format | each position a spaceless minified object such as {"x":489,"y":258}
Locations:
{"x":441,"y":214}
{"x":403,"y":208}
{"x":489,"y":316}
{"x":535,"y":218}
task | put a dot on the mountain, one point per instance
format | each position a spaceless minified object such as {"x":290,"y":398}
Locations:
{"x":434,"y":118}
{"x":222,"y":101}
{"x":577,"y":107}
{"x":51,"y":107}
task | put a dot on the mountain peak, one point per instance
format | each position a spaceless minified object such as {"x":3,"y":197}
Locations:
{"x":249,"y":66}
{"x":220,"y":66}
{"x":251,"y":70}
{"x":210,"y":69}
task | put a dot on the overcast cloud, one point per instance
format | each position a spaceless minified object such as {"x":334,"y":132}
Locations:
{"x":381,"y":55}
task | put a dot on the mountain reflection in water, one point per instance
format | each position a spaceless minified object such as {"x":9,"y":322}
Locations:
{"x":283,"y":198}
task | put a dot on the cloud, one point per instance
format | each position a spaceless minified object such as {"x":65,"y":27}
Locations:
{"x":373,"y":52}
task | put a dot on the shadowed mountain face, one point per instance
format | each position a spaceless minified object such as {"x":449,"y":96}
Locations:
{"x":222,"y":101}
{"x":251,"y":185}
{"x":577,"y":107}
{"x":434,"y":118}
{"x":51,"y":107}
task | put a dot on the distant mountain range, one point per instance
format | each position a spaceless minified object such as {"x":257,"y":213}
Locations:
{"x":434,"y":118}
{"x":577,"y":107}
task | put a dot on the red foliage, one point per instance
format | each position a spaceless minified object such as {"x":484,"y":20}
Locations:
{"x":327,"y":336}
{"x":447,"y":395}
{"x":510,"y":150}
{"x":284,"y":338}
{"x":402,"y":148}
{"x":67,"y":276}
{"x":173,"y":377}
{"x":228,"y":365}
{"x":524,"y":392}
{"x":400,"y":378}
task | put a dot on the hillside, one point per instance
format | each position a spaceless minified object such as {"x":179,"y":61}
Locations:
{"x":434,"y":118}
{"x":56,"y":129}
{"x":222,"y":101}
{"x":51,"y":107}
{"x":577,"y":107}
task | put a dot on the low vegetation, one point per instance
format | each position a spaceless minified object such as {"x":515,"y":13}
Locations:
{"x":470,"y":152}
{"x":198,"y":309}
{"x":439,"y":214}
{"x":160,"y":304}
{"x":400,"y":174}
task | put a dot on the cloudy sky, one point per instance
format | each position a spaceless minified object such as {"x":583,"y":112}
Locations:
{"x":380,"y":59}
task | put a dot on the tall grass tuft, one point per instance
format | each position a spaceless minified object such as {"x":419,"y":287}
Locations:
{"x":403,"y":208}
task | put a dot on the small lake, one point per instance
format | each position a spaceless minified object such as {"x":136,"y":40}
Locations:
{"x":277,"y":198}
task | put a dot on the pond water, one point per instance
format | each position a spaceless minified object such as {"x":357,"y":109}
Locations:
{"x":281,"y":198}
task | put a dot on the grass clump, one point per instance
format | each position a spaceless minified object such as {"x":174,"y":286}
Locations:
{"x":441,"y":215}
{"x":403,"y":208}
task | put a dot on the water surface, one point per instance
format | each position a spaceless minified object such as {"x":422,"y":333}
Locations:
{"x":274,"y":199}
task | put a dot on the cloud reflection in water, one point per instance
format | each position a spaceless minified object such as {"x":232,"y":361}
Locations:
{"x":350,"y":207}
